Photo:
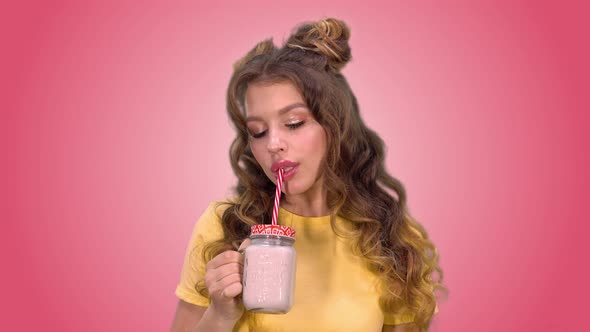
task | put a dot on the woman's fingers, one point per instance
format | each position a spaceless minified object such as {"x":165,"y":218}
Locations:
{"x":225,"y":257}
{"x":224,"y":275}
{"x":233,"y":290}
{"x":231,"y":285}
{"x":227,"y":286}
{"x":225,"y":270}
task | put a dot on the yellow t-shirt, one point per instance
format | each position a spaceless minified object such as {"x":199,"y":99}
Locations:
{"x":334,"y":290}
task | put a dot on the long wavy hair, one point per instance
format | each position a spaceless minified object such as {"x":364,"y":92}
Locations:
{"x":360,"y":189}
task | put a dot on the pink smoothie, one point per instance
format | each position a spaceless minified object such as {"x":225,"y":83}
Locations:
{"x":269,"y":278}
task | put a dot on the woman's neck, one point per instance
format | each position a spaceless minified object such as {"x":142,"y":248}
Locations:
{"x":310,"y":204}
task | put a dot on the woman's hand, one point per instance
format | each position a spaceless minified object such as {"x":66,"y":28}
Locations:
{"x":223,"y":279}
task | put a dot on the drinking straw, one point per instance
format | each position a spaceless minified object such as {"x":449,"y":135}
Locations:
{"x":275,"y":211}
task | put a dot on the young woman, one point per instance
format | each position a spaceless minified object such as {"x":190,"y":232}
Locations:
{"x":363,"y":263}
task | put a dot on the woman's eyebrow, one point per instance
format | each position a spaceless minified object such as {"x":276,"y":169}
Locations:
{"x":281,"y":111}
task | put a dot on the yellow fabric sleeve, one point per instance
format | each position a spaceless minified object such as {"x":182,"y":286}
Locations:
{"x":401,"y":318}
{"x":207,"y":229}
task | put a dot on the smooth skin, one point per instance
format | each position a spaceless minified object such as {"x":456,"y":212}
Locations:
{"x":282,"y":127}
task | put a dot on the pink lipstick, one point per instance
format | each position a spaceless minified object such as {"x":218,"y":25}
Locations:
{"x":289,"y":168}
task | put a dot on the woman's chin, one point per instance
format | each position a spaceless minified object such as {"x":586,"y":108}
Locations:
{"x":292,"y":190}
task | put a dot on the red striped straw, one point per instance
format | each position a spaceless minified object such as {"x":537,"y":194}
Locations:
{"x":275,"y":211}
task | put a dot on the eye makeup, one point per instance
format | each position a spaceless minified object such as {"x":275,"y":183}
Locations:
{"x":290,"y":126}
{"x":295,"y":125}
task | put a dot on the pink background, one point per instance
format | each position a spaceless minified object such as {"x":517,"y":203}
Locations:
{"x":114,"y":139}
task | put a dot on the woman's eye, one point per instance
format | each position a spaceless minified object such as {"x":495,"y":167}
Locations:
{"x":291,"y":126}
{"x":259,"y":135}
{"x":295,"y":125}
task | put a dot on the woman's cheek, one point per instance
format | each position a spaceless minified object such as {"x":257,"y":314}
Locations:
{"x":255,"y":148}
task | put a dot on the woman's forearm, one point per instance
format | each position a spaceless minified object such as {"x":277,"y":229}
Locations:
{"x":213,"y":322}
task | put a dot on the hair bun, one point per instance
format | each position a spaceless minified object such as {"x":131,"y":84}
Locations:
{"x":328,"y":37}
{"x":263,"y":47}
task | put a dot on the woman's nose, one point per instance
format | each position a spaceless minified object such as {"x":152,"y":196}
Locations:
{"x":276,"y":142}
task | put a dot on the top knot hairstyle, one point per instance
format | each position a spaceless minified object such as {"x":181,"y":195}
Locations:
{"x":327,"y":38}
{"x":360,"y":189}
{"x":325,"y":41}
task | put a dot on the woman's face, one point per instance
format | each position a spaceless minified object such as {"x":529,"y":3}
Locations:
{"x":284,"y":134}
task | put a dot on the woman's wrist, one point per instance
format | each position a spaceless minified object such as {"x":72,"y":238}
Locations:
{"x":215,"y":321}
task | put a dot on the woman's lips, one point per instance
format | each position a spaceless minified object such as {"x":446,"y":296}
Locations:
{"x":290,"y":173}
{"x":284,"y":164}
{"x":289,"y":168}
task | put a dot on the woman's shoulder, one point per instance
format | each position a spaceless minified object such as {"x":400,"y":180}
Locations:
{"x":214,"y":211}
{"x":208,"y":224}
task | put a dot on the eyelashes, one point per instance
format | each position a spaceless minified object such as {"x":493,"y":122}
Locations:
{"x":259,"y":135}
{"x":294,"y":125}
{"x":291,"y":126}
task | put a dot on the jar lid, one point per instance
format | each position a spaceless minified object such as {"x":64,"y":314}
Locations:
{"x":266,"y":229}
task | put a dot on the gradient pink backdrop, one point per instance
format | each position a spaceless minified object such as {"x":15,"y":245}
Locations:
{"x":115,"y":139}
